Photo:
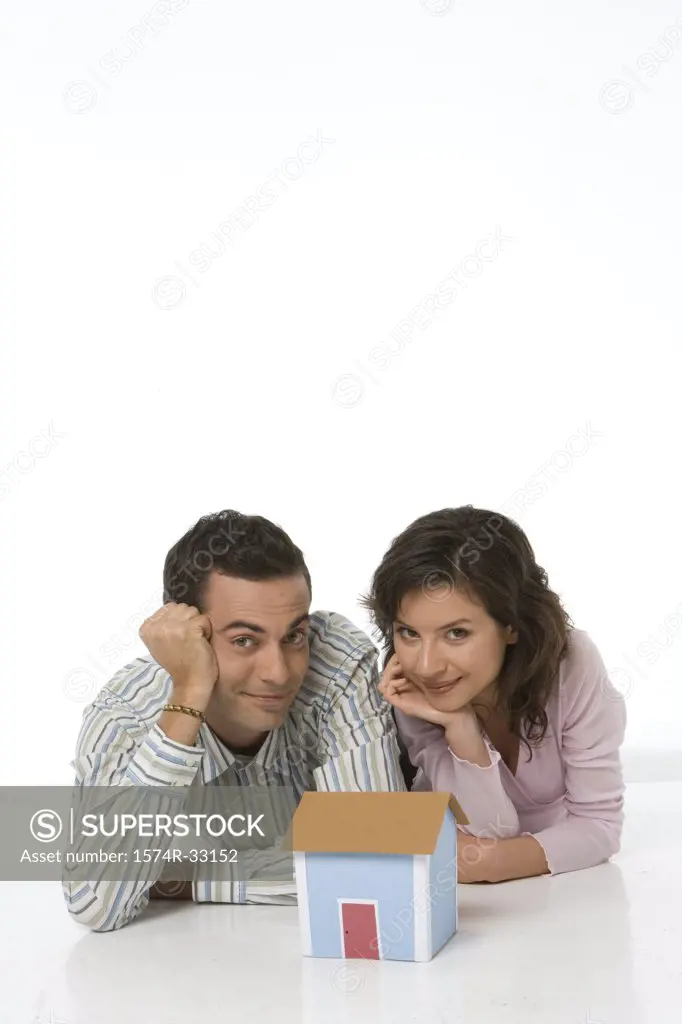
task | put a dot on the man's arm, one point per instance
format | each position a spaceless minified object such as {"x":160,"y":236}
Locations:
{"x":358,"y":746}
{"x":117,"y":748}
{"x":124,"y":742}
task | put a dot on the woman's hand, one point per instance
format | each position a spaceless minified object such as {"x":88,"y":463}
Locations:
{"x":499,"y":860}
{"x":473,"y":858}
{"x":462,"y":729}
{"x":405,"y":696}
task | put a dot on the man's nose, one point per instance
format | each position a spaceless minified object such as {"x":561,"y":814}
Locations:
{"x":273,"y":667}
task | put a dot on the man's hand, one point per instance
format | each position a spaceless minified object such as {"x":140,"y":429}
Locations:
{"x":178,"y":638}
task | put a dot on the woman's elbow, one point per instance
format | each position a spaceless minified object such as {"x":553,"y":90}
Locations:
{"x":607,"y":839}
{"x":613,"y":840}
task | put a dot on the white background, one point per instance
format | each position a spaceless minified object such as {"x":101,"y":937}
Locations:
{"x":174,"y":391}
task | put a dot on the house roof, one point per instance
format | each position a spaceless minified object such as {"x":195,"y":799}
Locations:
{"x":403,"y":823}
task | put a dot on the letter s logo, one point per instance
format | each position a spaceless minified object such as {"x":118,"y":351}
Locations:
{"x":46,"y":826}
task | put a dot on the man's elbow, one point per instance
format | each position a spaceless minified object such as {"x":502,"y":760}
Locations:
{"x":101,"y":926}
{"x":96,"y":915}
{"x":95,"y":918}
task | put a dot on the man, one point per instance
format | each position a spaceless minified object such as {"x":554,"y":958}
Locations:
{"x":243,"y":686}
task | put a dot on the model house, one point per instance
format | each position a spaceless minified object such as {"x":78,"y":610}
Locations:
{"x":376,"y":873}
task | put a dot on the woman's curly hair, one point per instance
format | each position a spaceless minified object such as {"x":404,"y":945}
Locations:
{"x":488,"y":557}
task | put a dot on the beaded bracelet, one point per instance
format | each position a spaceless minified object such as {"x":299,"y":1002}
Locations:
{"x":184,"y":710}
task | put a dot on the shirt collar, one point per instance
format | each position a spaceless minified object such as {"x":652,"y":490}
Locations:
{"x":218,"y":758}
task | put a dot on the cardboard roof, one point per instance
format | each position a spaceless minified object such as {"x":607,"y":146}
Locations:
{"x":403,"y":823}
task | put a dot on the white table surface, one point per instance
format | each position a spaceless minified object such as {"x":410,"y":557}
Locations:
{"x":602,"y":946}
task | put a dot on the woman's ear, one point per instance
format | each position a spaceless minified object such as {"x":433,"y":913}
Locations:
{"x":512,"y":635}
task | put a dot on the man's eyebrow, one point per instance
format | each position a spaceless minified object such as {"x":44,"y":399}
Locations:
{"x":253,"y":628}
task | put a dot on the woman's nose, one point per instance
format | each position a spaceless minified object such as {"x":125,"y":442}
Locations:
{"x":430,"y":662}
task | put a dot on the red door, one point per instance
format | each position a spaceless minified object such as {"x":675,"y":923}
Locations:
{"x":360,"y":931}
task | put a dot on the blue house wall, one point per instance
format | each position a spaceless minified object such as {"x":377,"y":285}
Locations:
{"x":387,"y":878}
{"x":443,"y":882}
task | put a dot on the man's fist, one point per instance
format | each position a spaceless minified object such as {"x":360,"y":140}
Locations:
{"x":178,"y":638}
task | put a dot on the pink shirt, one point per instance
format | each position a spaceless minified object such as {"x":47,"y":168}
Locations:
{"x":569,"y":796}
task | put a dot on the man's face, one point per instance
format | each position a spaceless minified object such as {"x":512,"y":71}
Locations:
{"x":260,"y":639}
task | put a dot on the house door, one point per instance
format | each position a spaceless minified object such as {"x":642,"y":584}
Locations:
{"x":360,"y":931}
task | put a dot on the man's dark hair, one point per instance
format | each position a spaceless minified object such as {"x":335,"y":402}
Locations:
{"x":228,"y":542}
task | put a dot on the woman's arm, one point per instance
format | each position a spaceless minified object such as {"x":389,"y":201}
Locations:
{"x":594,"y":720}
{"x":470,"y":771}
{"x":499,"y":860}
{"x":477,"y":786}
{"x":594,"y":727}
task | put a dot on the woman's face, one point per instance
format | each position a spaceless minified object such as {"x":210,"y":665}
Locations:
{"x":449,"y":647}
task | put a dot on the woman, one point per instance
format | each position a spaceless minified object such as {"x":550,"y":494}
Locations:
{"x":498,"y":699}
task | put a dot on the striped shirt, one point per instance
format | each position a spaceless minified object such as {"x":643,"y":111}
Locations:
{"x":338,"y":735}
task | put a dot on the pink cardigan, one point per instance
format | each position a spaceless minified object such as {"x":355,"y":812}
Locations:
{"x":569,"y":796}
